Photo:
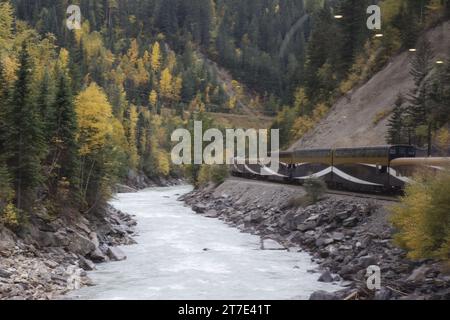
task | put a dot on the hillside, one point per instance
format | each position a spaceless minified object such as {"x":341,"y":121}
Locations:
{"x":355,"y":119}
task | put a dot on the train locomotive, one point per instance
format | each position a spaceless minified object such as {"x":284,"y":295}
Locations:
{"x":364,"y":169}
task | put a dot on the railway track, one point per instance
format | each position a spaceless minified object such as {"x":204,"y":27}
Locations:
{"x":364,"y":195}
{"x":328,"y":191}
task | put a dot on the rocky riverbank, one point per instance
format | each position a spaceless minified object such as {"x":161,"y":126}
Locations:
{"x":344,"y":235}
{"x":50,"y":256}
{"x":138,"y":181}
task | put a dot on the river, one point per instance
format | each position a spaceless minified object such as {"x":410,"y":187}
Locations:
{"x":170,"y":263}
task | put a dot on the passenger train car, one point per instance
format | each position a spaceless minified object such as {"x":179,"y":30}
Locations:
{"x":366,"y":169}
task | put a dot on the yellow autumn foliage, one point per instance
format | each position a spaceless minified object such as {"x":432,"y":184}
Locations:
{"x":10,"y":66}
{"x":6,"y":25}
{"x":153,"y":98}
{"x":216,"y":174}
{"x":94,"y":115}
{"x":155,"y":60}
{"x":305,"y":123}
{"x":165,"y":84}
{"x":162,"y":162}
{"x":423,"y":217}
{"x":443,"y":139}
{"x":10,"y":216}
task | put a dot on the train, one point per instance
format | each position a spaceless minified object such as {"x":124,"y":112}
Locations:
{"x":375,"y":169}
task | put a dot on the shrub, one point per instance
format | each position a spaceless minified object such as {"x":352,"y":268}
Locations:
{"x":216,"y":174}
{"x":380,"y":116}
{"x":315,"y":188}
{"x":11,"y":216}
{"x":8,"y":212}
{"x":423,"y":217}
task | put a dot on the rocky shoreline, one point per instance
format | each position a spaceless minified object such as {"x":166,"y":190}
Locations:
{"x":51,"y":256}
{"x":344,"y":235}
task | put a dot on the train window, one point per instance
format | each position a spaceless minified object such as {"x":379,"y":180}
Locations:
{"x":402,"y":151}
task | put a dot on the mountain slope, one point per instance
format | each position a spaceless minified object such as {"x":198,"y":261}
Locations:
{"x":360,"y":118}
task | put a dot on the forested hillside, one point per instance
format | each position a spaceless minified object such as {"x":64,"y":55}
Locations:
{"x":380,"y":111}
{"x":82,"y":109}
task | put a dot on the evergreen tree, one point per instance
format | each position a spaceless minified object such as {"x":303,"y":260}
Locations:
{"x":44,"y":106}
{"x":396,"y":125}
{"x":25,"y":140}
{"x":407,"y":22}
{"x":167,"y":18}
{"x":77,"y":64}
{"x":422,"y":61}
{"x":354,"y":28}
{"x":65,"y":148}
{"x":4,"y":97}
{"x":419,"y":109}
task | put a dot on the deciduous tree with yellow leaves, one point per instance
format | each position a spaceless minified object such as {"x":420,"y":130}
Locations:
{"x":423,"y":219}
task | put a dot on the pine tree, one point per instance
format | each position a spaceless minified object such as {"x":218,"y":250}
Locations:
{"x":77,"y":64}
{"x":407,"y":22}
{"x":354,"y":28}
{"x":65,"y":147}
{"x":167,"y":18}
{"x":4,"y":98}
{"x":422,"y":61}
{"x":25,"y":140}
{"x":419,"y":109}
{"x":44,"y":106}
{"x":396,"y":125}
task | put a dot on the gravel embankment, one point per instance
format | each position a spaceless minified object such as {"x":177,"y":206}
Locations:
{"x":344,"y":235}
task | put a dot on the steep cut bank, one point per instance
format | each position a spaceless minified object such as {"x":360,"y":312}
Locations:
{"x":345,"y":236}
{"x":354,"y":119}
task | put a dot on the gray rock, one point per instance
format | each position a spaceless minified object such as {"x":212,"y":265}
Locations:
{"x":383,"y":294}
{"x":115,"y":254}
{"x":307,"y":226}
{"x":270,"y":244}
{"x":326,"y":277}
{"x":419,"y":274}
{"x":86,"y":264}
{"x":48,"y":239}
{"x":342,"y":215}
{"x":5,"y":274}
{"x":347,"y":272}
{"x":323,"y":295}
{"x":350,"y":222}
{"x":212,"y":214}
{"x":323,"y":242}
{"x":98,"y":256}
{"x":295,"y":237}
{"x":199,"y":208}
{"x":80,"y":245}
{"x":367,"y":261}
{"x":338,"y":236}
{"x":94,"y":238}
